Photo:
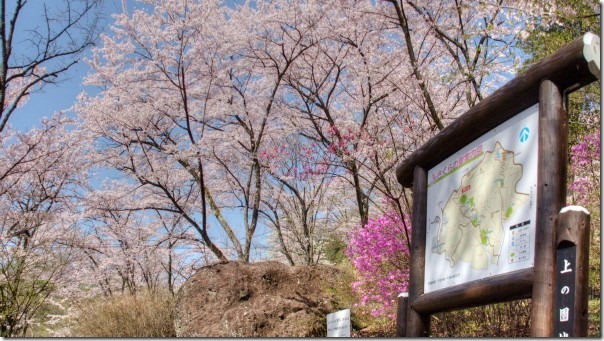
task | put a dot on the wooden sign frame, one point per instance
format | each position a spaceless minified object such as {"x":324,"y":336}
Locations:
{"x":546,"y":83}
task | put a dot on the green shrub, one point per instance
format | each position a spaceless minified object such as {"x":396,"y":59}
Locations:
{"x":141,"y":315}
{"x":345,"y":298}
{"x":334,"y":250}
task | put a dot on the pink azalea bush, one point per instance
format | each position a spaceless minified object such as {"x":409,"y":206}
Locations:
{"x":585,"y":168}
{"x":379,"y":253}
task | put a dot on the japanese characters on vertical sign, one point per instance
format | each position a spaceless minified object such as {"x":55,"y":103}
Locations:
{"x":565,"y":291}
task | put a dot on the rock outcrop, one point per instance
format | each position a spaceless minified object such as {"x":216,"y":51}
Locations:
{"x":267,"y":299}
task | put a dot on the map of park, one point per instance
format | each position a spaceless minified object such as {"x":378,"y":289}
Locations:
{"x":471,"y":228}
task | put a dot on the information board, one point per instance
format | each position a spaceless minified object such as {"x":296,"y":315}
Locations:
{"x":481,"y":206}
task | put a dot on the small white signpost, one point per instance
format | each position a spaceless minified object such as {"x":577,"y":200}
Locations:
{"x":338,"y":324}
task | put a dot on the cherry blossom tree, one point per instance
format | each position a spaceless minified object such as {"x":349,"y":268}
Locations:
{"x":301,"y":206}
{"x":453,"y":54}
{"x":40,"y":173}
{"x":254,"y":110}
{"x":200,"y":108}
{"x":158,"y":71}
{"x":127,"y":251}
{"x":339,"y":90}
{"x":193,"y":92}
{"x":42,"y":170}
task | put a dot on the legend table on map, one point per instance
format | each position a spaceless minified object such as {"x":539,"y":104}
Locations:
{"x":519,"y":248}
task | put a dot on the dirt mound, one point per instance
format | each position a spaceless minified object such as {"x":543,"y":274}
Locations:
{"x":266,"y":299}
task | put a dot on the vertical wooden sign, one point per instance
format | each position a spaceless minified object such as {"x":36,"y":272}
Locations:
{"x":564,"y":308}
{"x":572,"y":267}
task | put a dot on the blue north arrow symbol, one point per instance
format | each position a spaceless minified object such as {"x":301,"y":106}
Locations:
{"x":524,"y":134}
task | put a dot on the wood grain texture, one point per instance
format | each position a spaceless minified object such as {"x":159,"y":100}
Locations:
{"x":501,"y":288}
{"x":418,"y":324}
{"x":551,"y":194}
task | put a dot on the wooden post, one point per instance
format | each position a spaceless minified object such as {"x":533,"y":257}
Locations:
{"x":572,"y":272}
{"x":551,"y":194}
{"x":418,"y":324}
{"x":401,"y":314}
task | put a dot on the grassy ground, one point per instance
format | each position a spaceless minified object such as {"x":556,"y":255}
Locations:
{"x":594,"y":318}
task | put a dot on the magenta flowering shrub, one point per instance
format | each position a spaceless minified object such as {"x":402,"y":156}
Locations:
{"x":585,"y":167}
{"x":379,"y":253}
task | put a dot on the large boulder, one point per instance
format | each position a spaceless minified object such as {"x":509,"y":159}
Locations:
{"x":267,"y":299}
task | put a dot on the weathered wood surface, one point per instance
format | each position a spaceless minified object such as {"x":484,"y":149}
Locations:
{"x":573,"y":228}
{"x":551,"y":195}
{"x":501,"y":288}
{"x":567,"y":68}
{"x":418,"y":324}
{"x":402,"y":303}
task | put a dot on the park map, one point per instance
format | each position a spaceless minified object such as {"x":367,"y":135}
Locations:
{"x":481,"y":206}
{"x":472,"y":227}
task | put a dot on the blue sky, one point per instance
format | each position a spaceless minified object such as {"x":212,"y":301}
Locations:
{"x":54,"y":98}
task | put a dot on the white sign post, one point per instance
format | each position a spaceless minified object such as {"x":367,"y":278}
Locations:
{"x":338,"y":324}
